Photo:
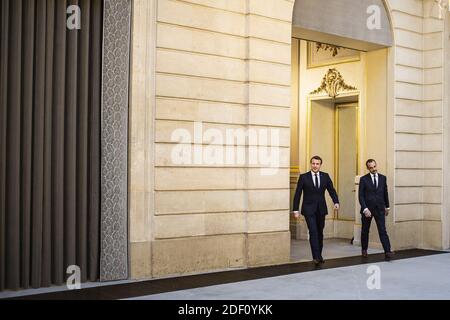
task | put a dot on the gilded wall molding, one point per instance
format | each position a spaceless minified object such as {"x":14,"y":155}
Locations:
{"x":333,"y":83}
{"x":328,"y":47}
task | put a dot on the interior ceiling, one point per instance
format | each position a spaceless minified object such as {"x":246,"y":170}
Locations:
{"x":311,"y":35}
{"x":343,"y":23}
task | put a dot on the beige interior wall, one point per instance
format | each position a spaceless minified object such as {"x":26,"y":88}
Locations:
{"x":322,"y":130}
{"x":295,"y":82}
{"x":294,"y":146}
{"x":322,"y":143}
{"x":347,"y":168}
{"x":374,"y":115}
{"x":347,"y":149}
{"x":374,"y":132}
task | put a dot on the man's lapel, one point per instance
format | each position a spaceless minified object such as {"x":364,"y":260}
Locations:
{"x":310,"y":179}
{"x":370,"y":180}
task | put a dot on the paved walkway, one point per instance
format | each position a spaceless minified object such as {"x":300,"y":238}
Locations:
{"x":425,"y":277}
{"x":413,"y":274}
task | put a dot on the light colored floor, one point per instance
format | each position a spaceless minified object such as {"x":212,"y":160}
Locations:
{"x":332,"y":248}
{"x":416,"y":278}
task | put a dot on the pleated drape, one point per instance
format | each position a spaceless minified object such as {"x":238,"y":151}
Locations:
{"x":50,"y":89}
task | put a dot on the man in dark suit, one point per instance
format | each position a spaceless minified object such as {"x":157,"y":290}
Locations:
{"x":314,"y":208}
{"x":374,"y":201}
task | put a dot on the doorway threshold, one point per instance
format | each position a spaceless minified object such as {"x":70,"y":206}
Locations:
{"x":333,"y":248}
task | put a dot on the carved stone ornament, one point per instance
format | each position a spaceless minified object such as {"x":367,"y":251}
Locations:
{"x":443,"y":5}
{"x":333,"y":83}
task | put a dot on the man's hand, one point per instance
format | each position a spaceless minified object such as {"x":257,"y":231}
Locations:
{"x":296,"y":214}
{"x":386,"y":211}
{"x":367,"y":213}
{"x":336,"y":206}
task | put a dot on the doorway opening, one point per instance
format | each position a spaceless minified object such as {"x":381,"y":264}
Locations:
{"x":337,"y":56}
{"x":336,"y":122}
{"x":340,"y":124}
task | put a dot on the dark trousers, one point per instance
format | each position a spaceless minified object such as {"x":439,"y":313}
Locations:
{"x":381,"y":225}
{"x":316,"y":224}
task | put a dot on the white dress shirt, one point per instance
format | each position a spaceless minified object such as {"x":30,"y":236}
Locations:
{"x":314,"y":178}
{"x":375,"y":176}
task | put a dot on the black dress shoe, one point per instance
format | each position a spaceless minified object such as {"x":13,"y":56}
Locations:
{"x":388,"y":255}
{"x":316,"y":262}
{"x":321,"y":260}
{"x":364,"y":254}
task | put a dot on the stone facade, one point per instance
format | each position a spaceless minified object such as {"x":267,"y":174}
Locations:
{"x":227,"y":63}
{"x":418,"y":125}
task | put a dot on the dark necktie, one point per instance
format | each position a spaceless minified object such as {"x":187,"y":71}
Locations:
{"x":316,"y":181}
{"x":375,"y":181}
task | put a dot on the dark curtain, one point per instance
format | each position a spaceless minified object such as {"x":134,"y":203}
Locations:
{"x":50,"y":89}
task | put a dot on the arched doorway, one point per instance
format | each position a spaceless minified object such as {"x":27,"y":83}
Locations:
{"x":339,"y":108}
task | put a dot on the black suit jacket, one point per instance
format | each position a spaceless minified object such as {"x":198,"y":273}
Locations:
{"x":313,"y":198}
{"x":371,"y":198}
